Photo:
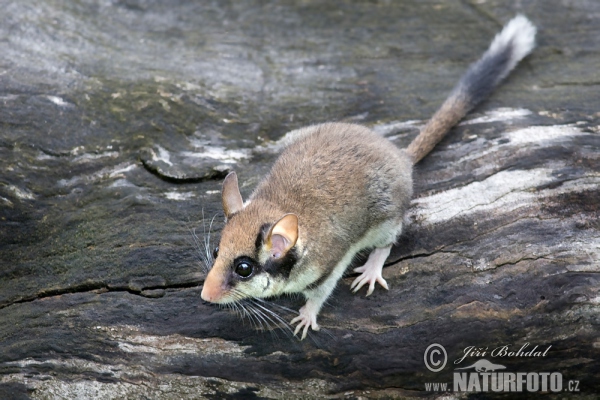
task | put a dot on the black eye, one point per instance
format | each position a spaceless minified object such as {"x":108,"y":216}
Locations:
{"x":243,"y":269}
{"x":216,"y":252}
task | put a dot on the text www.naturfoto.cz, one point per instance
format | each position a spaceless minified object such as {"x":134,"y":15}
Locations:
{"x":436,"y":387}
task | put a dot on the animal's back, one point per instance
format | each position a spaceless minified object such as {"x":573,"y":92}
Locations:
{"x":345,"y":172}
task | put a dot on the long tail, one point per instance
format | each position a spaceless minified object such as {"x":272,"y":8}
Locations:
{"x":510,"y":46}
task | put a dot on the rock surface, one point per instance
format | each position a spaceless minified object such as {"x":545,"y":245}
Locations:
{"x":119,"y":117}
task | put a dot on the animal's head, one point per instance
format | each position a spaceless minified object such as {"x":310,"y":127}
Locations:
{"x":256,"y":252}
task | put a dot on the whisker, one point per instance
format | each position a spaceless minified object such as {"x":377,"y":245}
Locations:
{"x":207,"y":240}
{"x":203,"y":259}
{"x":277,"y":322}
{"x":269,"y":317}
{"x":206,"y":243}
{"x":195,"y":243}
{"x":276,"y":305}
{"x":203,"y":246}
{"x":261,"y":310}
{"x":207,"y":253}
{"x":273,"y":316}
{"x":262,"y":317}
{"x":257,"y":317}
{"x":248,"y":311}
{"x":244,"y":314}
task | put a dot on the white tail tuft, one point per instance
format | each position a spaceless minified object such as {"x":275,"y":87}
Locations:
{"x":519,"y":34}
{"x":510,"y":46}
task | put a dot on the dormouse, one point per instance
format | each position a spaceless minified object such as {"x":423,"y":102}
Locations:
{"x":335,"y":190}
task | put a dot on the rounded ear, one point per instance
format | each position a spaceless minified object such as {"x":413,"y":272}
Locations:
{"x":283,"y":235}
{"x":231,"y":197}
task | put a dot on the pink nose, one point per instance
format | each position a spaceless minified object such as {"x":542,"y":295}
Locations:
{"x":208,"y":294}
{"x":212,"y":290}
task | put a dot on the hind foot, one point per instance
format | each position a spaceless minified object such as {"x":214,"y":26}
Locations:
{"x":371,"y":271}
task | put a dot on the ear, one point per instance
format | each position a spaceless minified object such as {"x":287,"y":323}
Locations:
{"x":231,"y":197}
{"x":283,"y":235}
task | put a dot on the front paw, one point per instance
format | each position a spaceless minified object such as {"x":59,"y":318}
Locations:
{"x":305,"y":320}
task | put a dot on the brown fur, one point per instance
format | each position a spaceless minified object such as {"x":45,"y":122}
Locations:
{"x":448,"y":115}
{"x":340,"y":180}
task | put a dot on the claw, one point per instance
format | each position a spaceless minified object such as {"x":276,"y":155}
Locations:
{"x":371,"y":272}
{"x":305,"y":320}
